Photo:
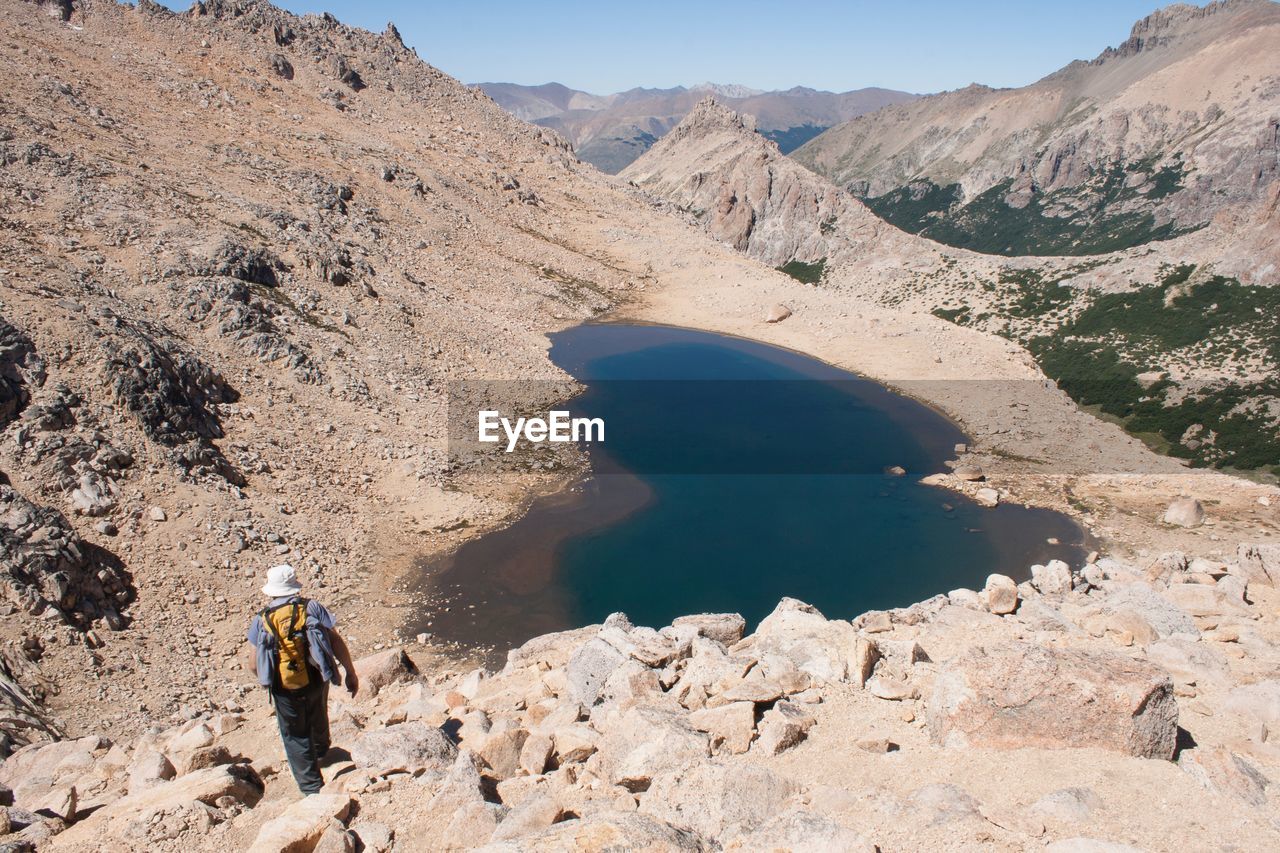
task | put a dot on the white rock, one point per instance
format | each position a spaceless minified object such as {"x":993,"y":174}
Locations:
{"x":731,"y":726}
{"x":717,"y":800}
{"x":1184,"y":512}
{"x":1000,"y":594}
{"x":778,"y":313}
{"x":1053,"y":579}
{"x":301,"y":824}
{"x":783,"y":726}
{"x":1258,"y":564}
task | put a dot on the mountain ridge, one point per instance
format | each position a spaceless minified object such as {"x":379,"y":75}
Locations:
{"x":1146,"y":141}
{"x":610,"y":131}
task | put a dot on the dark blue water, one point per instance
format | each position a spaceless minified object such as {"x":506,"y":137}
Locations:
{"x":733,"y":474}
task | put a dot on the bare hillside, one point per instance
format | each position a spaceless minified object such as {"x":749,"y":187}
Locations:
{"x":1147,"y":141}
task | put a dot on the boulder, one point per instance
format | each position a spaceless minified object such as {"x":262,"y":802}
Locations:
{"x":874,"y":622}
{"x":205,"y":756}
{"x":302,"y":824}
{"x":782,"y":727}
{"x":473,"y":824}
{"x":536,"y":754}
{"x":1023,"y":695}
{"x":1129,"y":626}
{"x":1258,"y":564}
{"x":1200,"y":599}
{"x":1052,"y":579}
{"x":777,"y":313}
{"x":1184,"y":512}
{"x":375,"y":837}
{"x":1166,"y":618}
{"x":36,"y":769}
{"x":717,"y":800}
{"x":891,"y":689}
{"x":644,"y":742}
{"x":824,"y":649}
{"x":195,"y":737}
{"x":1221,"y":770}
{"x":501,"y":750}
{"x":866,"y":653}
{"x":1000,"y":594}
{"x":147,"y":770}
{"x":1190,"y":661}
{"x":877,"y":745}
{"x":707,"y":672}
{"x":409,"y":747}
{"x":752,"y":689}
{"x":532,"y":814}
{"x":969,"y":473}
{"x":336,"y":839}
{"x":1168,"y":566}
{"x":987,"y":498}
{"x":382,"y":669}
{"x":550,"y":650}
{"x":732,"y":727}
{"x":237,"y":782}
{"x":726,"y":628}
{"x":802,"y":832}
{"x":575,"y":742}
{"x":589,"y":668}
{"x":965,"y":598}
{"x":462,"y":786}
{"x":59,"y":803}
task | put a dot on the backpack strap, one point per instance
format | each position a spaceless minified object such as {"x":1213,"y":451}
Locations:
{"x":297,"y":603}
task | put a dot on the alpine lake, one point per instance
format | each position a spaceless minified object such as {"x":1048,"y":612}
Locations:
{"x":732,"y":474}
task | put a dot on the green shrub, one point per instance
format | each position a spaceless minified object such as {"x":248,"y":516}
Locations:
{"x":807,"y":273}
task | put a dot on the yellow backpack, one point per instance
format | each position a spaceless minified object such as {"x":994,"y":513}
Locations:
{"x":288,"y":623}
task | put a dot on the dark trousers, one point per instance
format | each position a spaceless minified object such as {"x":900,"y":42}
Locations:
{"x":303,"y":716}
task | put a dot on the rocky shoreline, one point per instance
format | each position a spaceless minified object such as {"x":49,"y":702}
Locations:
{"x":1135,"y":704}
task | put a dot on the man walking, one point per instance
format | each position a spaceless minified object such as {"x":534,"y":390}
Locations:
{"x":294,"y":646}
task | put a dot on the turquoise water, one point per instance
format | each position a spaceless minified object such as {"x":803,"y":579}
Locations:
{"x":733,"y":474}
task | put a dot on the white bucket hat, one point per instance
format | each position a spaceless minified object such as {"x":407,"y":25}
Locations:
{"x":282,"y":580}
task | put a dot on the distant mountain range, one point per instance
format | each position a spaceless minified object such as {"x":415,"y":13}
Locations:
{"x":610,"y":131}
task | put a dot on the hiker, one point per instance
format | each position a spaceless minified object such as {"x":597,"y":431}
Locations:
{"x":293,"y":650}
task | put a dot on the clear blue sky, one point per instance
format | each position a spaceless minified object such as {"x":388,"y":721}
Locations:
{"x":602,"y":47}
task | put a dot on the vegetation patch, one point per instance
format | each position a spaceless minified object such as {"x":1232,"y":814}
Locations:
{"x":916,"y":206}
{"x":1100,"y":356}
{"x":807,"y":273}
{"x":1103,"y":214}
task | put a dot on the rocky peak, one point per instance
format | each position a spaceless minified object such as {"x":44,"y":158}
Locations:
{"x":1166,"y":26}
{"x":750,"y":195}
{"x":710,"y":113}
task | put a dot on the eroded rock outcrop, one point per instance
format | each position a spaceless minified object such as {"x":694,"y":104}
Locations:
{"x":45,"y":564}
